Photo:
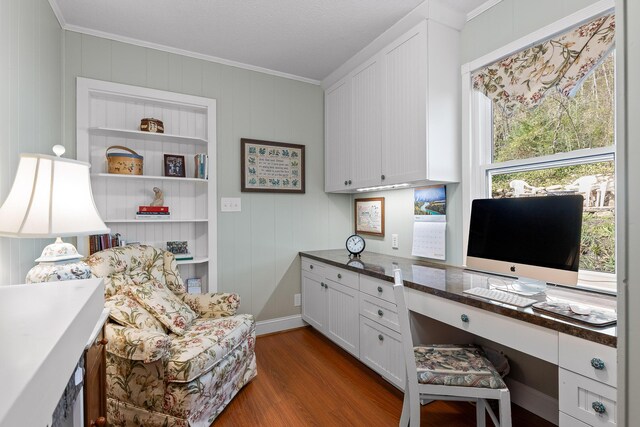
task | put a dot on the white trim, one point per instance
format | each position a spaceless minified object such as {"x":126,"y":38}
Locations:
{"x":280,"y":324}
{"x":183,"y":52}
{"x":541,"y":34}
{"x":58,"y":13}
{"x":533,"y":400}
{"x":482,"y":8}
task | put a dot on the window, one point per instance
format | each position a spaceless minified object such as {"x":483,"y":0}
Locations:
{"x":561,"y":146}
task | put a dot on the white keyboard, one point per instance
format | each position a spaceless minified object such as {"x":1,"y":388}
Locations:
{"x":501,"y":296}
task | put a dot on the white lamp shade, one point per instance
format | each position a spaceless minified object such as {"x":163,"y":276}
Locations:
{"x":50,"y":197}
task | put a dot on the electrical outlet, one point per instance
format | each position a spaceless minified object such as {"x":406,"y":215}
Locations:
{"x":230,"y":204}
{"x":394,"y":241}
{"x":297,"y":300}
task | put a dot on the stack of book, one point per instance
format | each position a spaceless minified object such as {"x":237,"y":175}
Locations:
{"x":98,"y":242}
{"x":153,"y":212}
{"x":202,"y":166}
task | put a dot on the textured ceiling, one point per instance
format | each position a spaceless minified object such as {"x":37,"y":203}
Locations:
{"x":306,"y":38}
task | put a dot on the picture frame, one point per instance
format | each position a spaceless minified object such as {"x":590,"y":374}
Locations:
{"x":175,"y":166}
{"x":271,"y":167}
{"x":369,"y":216}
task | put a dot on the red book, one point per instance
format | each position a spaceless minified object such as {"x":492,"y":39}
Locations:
{"x":153,"y":208}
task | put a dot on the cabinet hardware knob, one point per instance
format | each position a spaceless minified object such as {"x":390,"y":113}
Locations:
{"x":103,"y":341}
{"x":311,"y":266}
{"x":380,"y":289}
{"x":349,"y":182}
{"x":464,"y":318}
{"x":599,"y":407}
{"x":346,"y":182}
{"x":597,"y":363}
{"x":380,"y":312}
{"x":321,"y":284}
{"x":381,"y":337}
{"x":382,"y":177}
{"x":99,"y":422}
{"x":339,"y":276}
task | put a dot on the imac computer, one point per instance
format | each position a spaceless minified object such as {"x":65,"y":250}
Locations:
{"x":534,"y":239}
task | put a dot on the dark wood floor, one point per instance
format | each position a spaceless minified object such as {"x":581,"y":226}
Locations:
{"x":306,"y":380}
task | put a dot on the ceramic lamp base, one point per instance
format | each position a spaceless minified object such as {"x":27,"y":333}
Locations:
{"x":59,"y":261}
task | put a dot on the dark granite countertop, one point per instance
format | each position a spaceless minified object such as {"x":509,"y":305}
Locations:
{"x":449,"y":282}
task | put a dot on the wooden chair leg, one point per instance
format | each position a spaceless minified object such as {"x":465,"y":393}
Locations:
{"x":481,"y":415}
{"x":505,"y":409}
{"x":406,"y":408}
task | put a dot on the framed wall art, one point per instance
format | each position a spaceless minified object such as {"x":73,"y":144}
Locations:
{"x":369,"y":216}
{"x":273,"y":167}
{"x":174,"y":165}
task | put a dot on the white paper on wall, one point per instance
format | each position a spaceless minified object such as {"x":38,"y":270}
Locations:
{"x":429,"y":239}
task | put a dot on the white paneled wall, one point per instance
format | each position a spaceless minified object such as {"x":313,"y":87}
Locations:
{"x":258,"y":247}
{"x":30,"y":108}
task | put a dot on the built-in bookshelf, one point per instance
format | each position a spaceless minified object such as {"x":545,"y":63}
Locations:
{"x":109,"y":114}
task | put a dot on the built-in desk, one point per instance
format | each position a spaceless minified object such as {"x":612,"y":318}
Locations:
{"x":352,"y":303}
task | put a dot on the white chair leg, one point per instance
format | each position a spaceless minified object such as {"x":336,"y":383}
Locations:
{"x":481,"y":416}
{"x":414,"y":409}
{"x":406,"y":408}
{"x":505,"y":409}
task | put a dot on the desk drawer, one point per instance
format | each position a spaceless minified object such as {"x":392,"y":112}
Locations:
{"x":567,"y":421}
{"x":578,"y":395}
{"x":576,"y":355}
{"x":377,"y":288}
{"x":531,"y":339}
{"x":345,"y":277}
{"x":379,"y":311}
{"x":381,"y":350}
{"x":313,"y":266}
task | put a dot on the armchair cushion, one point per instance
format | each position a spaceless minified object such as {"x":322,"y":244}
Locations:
{"x":136,"y":344}
{"x":128,"y":312}
{"x":213,"y":305}
{"x":164,"y":305}
{"x":204,"y":344}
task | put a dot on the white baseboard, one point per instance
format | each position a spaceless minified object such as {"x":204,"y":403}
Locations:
{"x":280,"y":324}
{"x":533,"y":400}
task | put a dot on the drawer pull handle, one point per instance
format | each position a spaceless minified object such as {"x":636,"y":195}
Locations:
{"x":345,"y":183}
{"x":339,"y":276}
{"x":380,"y":289}
{"x":597,"y":363}
{"x":349,"y":182}
{"x":382,"y":177}
{"x":380,"y":313}
{"x":311,"y":266}
{"x":464,"y":318}
{"x":381,"y":337}
{"x":599,"y":407}
{"x":322,"y":285}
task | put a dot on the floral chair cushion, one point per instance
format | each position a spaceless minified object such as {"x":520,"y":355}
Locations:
{"x":213,"y":305}
{"x":457,"y":365}
{"x":206,"y":342}
{"x":128,"y":312}
{"x":136,"y":344}
{"x":164,"y":305}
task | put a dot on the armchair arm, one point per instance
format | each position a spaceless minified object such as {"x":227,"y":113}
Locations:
{"x":213,"y":305}
{"x":136,"y":344}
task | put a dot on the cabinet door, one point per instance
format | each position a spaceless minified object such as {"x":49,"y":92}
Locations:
{"x":366,"y":100}
{"x":381,"y":350}
{"x":337,"y":165}
{"x":405,"y":108}
{"x":313,"y":301}
{"x":342,"y":316}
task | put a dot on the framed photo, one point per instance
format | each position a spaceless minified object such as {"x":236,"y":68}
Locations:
{"x":369,"y":216}
{"x":174,"y":165}
{"x":271,"y":167}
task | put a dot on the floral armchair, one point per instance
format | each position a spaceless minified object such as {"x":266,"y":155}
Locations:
{"x":173,"y":359}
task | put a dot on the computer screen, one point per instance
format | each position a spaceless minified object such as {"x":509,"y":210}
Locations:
{"x":530,"y":237}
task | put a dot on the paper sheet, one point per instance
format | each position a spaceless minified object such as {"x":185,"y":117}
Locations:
{"x":429,"y":239}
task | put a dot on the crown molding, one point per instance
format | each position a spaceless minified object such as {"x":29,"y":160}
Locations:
{"x":482,"y":8}
{"x":58,"y":13}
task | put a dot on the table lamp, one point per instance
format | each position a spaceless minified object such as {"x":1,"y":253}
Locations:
{"x":51,"y":197}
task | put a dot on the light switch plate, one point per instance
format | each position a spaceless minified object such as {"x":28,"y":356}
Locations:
{"x":297,"y":300}
{"x":230,"y":204}
{"x":394,"y":241}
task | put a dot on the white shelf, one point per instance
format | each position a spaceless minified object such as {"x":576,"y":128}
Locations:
{"x":138,"y":134}
{"x":195,"y":260}
{"x":164,"y":178}
{"x":120,"y":221}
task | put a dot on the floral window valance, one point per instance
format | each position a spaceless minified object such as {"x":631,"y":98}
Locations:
{"x":562,"y":62}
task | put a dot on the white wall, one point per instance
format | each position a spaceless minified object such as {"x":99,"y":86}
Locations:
{"x":30,"y":114}
{"x":258,"y":247}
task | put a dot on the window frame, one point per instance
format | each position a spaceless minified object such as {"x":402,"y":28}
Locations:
{"x":477,"y":138}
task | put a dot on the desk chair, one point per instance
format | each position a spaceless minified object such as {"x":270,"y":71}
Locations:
{"x":447,"y":372}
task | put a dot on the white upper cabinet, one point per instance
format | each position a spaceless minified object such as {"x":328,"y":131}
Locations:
{"x":401,"y":121}
{"x":337,"y":163}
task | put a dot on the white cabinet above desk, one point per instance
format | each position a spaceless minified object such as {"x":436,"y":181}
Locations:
{"x":395,"y":118}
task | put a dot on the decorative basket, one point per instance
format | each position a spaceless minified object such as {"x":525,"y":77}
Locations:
{"x":124,"y":163}
{"x":151,"y":125}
